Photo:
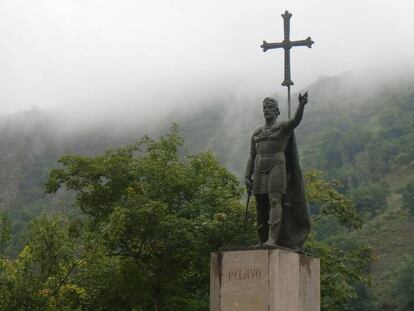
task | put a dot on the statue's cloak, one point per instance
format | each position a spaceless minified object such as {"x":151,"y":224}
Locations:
{"x":296,"y":219}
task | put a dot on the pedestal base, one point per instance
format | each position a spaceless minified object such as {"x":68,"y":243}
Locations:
{"x":264,"y":280}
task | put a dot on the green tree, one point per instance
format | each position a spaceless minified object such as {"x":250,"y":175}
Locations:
{"x":154,"y":214}
{"x":5,"y":233}
{"x":157,"y":213}
{"x":371,"y":199}
{"x":365,"y":300}
{"x":408,"y":197}
{"x":35,"y":279}
{"x":404,"y":286}
{"x":331,"y":150}
{"x":402,"y":158}
{"x":343,"y":269}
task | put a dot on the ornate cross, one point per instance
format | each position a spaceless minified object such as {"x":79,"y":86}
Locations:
{"x":286,"y":44}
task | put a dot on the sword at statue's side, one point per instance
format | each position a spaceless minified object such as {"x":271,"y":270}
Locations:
{"x":286,"y":44}
{"x":249,"y":193}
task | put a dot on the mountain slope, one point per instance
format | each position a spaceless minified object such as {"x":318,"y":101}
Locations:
{"x":358,"y":135}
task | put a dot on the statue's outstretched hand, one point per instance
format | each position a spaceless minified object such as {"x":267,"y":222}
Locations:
{"x":303,"y":99}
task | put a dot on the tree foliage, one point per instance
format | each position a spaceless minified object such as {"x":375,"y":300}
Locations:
{"x":404,"y":285}
{"x":371,"y":199}
{"x":326,"y":200}
{"x":37,"y":277}
{"x":5,"y":232}
{"x":342,"y":268}
{"x":408,"y":197}
{"x":151,"y":216}
{"x":158,"y":211}
{"x":362,"y":146}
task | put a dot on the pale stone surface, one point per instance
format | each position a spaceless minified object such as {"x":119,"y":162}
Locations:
{"x":284,"y":280}
{"x":243,"y":275}
{"x":215,"y":264}
{"x":310,"y":284}
{"x":264,"y":280}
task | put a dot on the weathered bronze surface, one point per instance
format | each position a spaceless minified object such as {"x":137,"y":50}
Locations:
{"x":274,"y":176}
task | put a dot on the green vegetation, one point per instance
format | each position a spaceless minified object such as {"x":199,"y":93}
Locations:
{"x":362,"y":141}
{"x":404,"y":286}
{"x":408,"y":197}
{"x":369,"y":150}
{"x":370,"y":199}
{"x":363,"y":149}
{"x":150,"y":219}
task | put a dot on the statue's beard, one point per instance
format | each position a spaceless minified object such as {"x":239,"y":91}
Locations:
{"x":270,"y":117}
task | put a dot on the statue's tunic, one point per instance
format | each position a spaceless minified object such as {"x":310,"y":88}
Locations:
{"x":268,"y":147}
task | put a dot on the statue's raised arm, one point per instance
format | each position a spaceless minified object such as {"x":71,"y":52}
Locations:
{"x":295,"y":121}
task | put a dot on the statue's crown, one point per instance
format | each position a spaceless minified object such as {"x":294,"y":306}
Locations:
{"x":271,"y":100}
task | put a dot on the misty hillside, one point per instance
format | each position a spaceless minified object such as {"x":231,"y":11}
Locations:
{"x":339,"y":109}
{"x":358,"y":132}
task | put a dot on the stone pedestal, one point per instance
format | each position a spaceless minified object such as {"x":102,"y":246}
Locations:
{"x":264,"y":280}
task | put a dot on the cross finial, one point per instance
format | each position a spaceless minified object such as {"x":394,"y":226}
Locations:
{"x":286,"y":44}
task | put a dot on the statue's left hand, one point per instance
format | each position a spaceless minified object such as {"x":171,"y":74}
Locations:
{"x":303,"y":99}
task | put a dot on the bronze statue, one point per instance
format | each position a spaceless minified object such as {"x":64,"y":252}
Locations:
{"x":273,"y":175}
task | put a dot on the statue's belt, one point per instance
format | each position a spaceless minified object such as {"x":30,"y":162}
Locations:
{"x":265,"y":164}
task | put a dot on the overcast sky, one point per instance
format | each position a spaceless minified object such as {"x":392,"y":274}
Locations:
{"x":110,"y":53}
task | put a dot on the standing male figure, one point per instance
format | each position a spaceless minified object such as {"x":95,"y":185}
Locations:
{"x":273,"y":175}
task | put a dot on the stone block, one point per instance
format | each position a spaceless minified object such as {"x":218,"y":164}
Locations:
{"x":272,"y":279}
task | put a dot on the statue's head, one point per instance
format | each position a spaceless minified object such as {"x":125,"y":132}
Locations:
{"x":270,"y":108}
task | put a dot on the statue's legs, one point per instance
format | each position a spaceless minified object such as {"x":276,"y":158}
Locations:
{"x":262,"y":214}
{"x":275,"y":218}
